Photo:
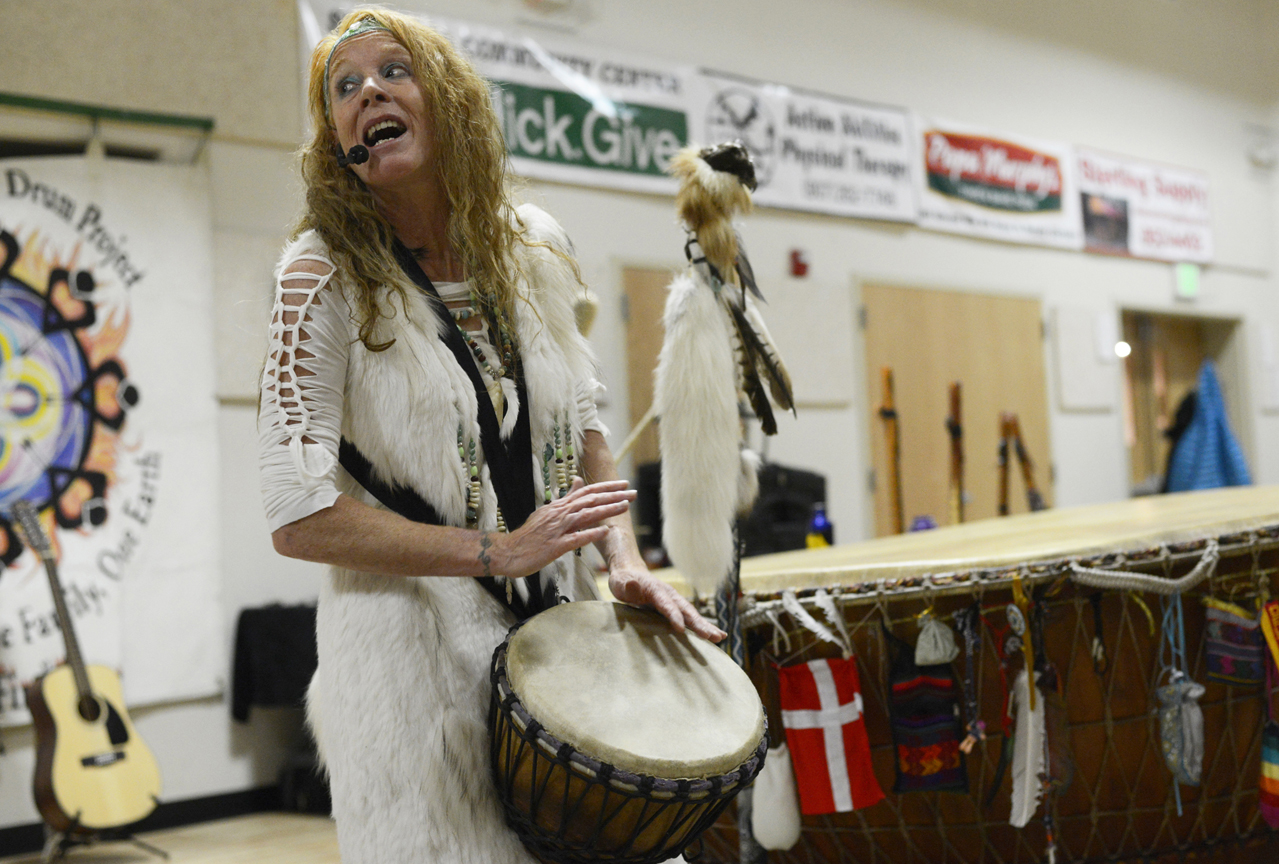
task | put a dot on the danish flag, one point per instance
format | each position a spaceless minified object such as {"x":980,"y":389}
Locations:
{"x":826,"y":733}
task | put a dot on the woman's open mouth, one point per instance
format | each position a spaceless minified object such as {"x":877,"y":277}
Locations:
{"x":384,"y":131}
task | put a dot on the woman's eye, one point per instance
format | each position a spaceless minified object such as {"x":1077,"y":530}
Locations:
{"x":345,"y":86}
{"x":395,"y":70}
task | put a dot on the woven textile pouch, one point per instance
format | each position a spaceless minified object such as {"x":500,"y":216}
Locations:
{"x":923,"y":708}
{"x":1268,"y":798}
{"x":1233,"y":645}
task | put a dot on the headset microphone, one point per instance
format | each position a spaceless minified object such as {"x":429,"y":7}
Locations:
{"x":357,"y":155}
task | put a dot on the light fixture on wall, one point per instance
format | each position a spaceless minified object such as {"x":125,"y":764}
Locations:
{"x":1122,"y":349}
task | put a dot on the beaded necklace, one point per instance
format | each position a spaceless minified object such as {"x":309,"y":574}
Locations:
{"x":502,"y":343}
{"x":559,"y":458}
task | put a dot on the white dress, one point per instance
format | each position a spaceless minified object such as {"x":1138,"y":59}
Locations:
{"x":400,"y":699}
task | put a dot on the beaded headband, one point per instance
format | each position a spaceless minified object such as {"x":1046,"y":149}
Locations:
{"x":358,"y":28}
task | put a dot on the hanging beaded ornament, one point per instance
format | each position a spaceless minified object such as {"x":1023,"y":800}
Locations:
{"x":495,"y":375}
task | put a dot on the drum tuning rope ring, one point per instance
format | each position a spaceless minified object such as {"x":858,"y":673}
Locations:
{"x":1120,"y":580}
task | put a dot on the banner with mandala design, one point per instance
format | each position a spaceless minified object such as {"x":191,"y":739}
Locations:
{"x":107,"y":423}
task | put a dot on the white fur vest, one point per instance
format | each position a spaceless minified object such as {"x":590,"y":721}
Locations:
{"x":400,"y":698}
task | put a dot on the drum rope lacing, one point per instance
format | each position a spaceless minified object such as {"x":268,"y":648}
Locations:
{"x":1125,"y":809}
{"x":758,"y":606}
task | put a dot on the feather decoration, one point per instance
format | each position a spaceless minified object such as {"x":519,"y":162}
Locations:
{"x":746,"y":273}
{"x":754,"y":389}
{"x":753,"y":359}
{"x":1028,"y":754}
{"x":779,"y":383}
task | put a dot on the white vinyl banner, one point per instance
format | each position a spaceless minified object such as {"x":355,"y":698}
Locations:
{"x":576,"y":113}
{"x":1000,"y":187}
{"x":1143,"y":209}
{"x":813,"y":152}
{"x":108,"y":424}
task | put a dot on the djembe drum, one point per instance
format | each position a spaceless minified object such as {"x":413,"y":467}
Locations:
{"x":615,"y":738}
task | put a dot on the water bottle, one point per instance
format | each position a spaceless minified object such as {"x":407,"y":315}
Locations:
{"x":820,"y":531}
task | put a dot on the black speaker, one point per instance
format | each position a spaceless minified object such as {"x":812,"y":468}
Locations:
{"x":779,"y":520}
{"x":777,"y":523}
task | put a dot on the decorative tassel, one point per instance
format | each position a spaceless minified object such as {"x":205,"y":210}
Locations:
{"x":570,"y":452}
{"x":473,"y":496}
{"x":561,"y":476}
{"x":547,"y":456}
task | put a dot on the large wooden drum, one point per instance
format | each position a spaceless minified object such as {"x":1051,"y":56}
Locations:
{"x":1101,"y":577}
{"x":616,"y":739}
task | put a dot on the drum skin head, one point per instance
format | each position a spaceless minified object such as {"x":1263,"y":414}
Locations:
{"x":618,"y":684}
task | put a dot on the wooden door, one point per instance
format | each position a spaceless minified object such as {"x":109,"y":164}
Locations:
{"x":993,"y":346}
{"x":645,"y":290}
{"x":1167,"y":351}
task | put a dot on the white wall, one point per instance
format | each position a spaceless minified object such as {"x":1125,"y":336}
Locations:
{"x":1175,"y":82}
{"x":990,"y":64}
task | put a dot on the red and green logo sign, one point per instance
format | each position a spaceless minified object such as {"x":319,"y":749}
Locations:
{"x":992,"y":173}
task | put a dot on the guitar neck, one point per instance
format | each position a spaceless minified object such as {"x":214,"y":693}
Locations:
{"x":28,"y":523}
{"x":74,"y":659}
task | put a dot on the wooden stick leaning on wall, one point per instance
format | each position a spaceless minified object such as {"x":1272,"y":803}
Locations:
{"x":1010,"y":445}
{"x":954,"y":426}
{"x":1034,"y":500}
{"x":1005,"y":435}
{"x":649,"y":416}
{"x":892,"y":434}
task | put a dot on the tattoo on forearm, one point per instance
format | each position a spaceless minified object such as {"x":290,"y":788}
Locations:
{"x":486,"y":542}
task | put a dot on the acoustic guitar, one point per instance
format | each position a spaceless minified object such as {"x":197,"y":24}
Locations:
{"x":93,"y":772}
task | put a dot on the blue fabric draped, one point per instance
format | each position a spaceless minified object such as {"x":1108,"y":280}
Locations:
{"x":1208,"y":454}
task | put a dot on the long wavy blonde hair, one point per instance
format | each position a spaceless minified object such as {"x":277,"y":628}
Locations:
{"x":471,"y":160}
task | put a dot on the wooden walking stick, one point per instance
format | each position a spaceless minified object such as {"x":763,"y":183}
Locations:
{"x":1034,"y":500}
{"x":1005,"y":433}
{"x":892,"y":434}
{"x":954,"y":425}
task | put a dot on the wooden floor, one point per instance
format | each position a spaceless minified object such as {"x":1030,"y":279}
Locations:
{"x":263,"y":838}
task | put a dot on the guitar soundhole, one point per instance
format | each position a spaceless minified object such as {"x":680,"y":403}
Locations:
{"x":89,"y":709}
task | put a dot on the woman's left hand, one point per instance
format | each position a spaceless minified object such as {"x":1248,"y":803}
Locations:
{"x":628,"y":578}
{"x":635,"y":585}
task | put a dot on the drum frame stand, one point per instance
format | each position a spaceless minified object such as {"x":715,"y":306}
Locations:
{"x":57,"y":843}
{"x":729,"y":620}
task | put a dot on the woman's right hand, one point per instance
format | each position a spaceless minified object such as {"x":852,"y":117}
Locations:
{"x":558,"y":527}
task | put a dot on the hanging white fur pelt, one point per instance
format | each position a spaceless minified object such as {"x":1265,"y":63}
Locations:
{"x":1028,"y":754}
{"x":699,"y":433}
{"x":716,"y":347}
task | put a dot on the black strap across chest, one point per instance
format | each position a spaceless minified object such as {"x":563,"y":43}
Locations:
{"x":510,"y":462}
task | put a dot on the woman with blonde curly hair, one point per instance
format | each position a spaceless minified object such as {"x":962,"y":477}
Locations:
{"x":428,"y":429}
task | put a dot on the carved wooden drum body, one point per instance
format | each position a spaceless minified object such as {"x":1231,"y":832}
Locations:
{"x":616,"y":739}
